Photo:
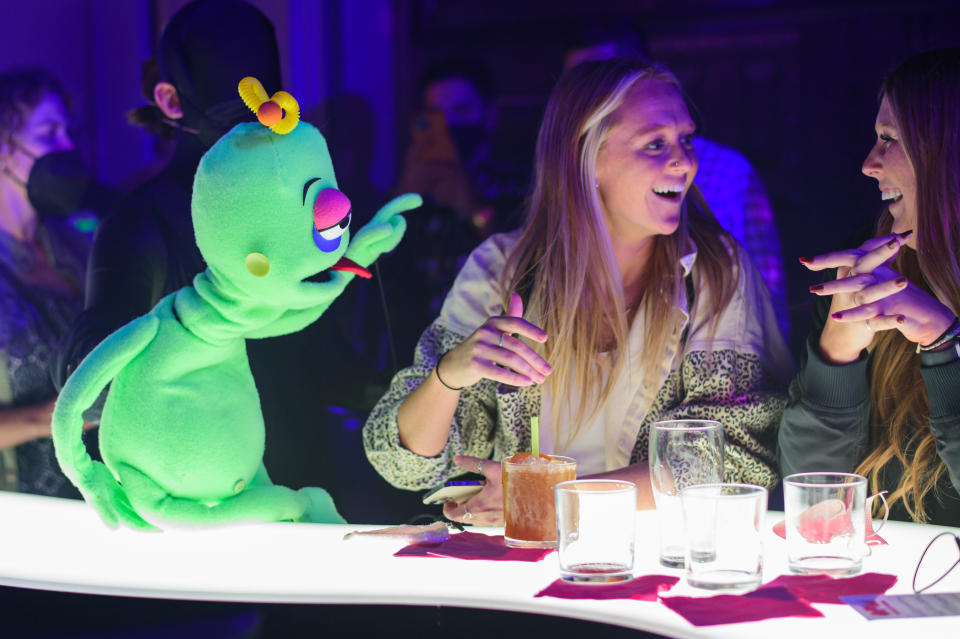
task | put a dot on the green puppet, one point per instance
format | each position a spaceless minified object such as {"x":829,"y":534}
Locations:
{"x":182,"y":434}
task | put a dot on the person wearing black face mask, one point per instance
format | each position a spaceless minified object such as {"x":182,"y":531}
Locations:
{"x":470,"y":191}
{"x":60,"y":184}
{"x":44,"y":243}
{"x":145,"y":249}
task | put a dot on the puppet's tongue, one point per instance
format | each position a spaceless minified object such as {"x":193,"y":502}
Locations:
{"x":348,"y":265}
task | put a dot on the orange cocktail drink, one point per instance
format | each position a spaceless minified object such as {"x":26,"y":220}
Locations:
{"x":528,"y":508}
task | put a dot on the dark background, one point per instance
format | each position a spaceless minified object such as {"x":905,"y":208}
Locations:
{"x":792,"y":85}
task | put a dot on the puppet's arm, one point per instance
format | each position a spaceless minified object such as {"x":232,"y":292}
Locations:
{"x":382,"y":233}
{"x":99,"y":368}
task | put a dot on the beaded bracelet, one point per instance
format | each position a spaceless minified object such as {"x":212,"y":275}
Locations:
{"x":949,"y":335}
{"x":436,"y":369}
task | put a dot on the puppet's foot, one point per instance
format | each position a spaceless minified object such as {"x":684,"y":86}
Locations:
{"x":321,"y":509}
{"x":256,"y":503}
{"x":102,"y":491}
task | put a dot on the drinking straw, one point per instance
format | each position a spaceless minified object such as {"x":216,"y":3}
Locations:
{"x":535,"y":436}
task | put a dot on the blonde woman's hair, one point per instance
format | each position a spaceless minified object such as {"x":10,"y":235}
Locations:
{"x":924,"y":95}
{"x":563,"y":263}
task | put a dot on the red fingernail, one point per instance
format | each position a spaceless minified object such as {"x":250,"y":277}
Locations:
{"x":901,"y":319}
{"x":806,"y":260}
{"x":906,"y":234}
{"x":816,"y":287}
{"x":900,"y":281}
{"x":837,"y":315}
{"x":893,"y":244}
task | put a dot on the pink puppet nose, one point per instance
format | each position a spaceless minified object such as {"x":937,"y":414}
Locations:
{"x":330,"y":207}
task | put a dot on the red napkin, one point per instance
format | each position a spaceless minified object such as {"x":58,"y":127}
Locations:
{"x":646,"y":588}
{"x":765,"y":603}
{"x":471,"y":545}
{"x":828,"y":590}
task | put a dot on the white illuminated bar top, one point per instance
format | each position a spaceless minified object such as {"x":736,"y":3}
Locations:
{"x":61,"y":545}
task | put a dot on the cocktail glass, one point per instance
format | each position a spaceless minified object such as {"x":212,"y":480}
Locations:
{"x":529,"y":511}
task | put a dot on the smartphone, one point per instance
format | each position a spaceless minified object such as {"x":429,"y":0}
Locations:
{"x":456,"y":491}
{"x":430,"y":135}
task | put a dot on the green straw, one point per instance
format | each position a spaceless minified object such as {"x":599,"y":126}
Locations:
{"x":535,"y":436}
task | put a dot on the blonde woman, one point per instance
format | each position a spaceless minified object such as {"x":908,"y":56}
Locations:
{"x":619,"y":302}
{"x":879,"y":392}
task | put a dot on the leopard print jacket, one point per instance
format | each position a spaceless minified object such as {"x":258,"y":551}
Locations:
{"x":736,"y":376}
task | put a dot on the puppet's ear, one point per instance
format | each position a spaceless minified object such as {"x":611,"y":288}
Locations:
{"x":257,"y":264}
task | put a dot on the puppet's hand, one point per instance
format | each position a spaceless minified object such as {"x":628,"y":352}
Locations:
{"x":320,"y":509}
{"x":382,"y":233}
{"x":103,"y":492}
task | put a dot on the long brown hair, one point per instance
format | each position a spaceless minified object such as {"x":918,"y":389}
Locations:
{"x":924,"y":96}
{"x":564,"y":260}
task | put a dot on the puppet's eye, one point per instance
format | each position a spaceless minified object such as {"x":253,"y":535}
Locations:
{"x":335,"y":231}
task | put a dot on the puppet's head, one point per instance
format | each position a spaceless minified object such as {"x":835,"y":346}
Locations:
{"x":267,"y":214}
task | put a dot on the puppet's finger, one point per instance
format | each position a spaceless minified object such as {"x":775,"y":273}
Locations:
{"x":396,"y":206}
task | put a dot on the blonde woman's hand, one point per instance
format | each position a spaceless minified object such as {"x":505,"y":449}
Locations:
{"x":869,"y":296}
{"x":486,"y":507}
{"x":492,"y":352}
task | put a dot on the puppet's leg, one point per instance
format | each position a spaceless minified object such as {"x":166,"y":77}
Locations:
{"x":95,"y":481}
{"x":264,"y":502}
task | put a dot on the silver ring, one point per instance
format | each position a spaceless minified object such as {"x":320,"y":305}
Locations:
{"x":466,"y":513}
{"x":500,"y":343}
{"x":870,"y":327}
{"x":480,"y":466}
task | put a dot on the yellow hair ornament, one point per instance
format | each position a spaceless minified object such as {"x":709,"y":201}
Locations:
{"x":270,"y":112}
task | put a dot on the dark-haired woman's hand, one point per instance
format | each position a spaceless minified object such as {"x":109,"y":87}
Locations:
{"x":492,"y":352}
{"x":869,"y":296}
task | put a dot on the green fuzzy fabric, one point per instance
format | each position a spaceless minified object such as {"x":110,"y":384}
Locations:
{"x":182,"y":433}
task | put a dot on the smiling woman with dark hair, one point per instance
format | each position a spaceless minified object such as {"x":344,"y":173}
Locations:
{"x":618,"y":303}
{"x":879,"y":393}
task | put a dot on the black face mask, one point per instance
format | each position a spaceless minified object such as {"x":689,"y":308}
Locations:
{"x":213,"y":123}
{"x":204,"y":51}
{"x":60,"y":184}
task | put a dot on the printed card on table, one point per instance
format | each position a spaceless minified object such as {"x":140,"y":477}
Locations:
{"x":903,"y":606}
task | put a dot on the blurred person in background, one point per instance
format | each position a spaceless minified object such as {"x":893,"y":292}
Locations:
{"x":469,"y":193}
{"x":145,"y":249}
{"x":44,"y":242}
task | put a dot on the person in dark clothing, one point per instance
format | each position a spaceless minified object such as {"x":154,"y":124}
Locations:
{"x":879,"y":390}
{"x":145,"y":249}
{"x":44,"y":243}
{"x":471,"y":189}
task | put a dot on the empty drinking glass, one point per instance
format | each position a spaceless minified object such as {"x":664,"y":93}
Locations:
{"x":683,"y":453}
{"x":596,"y":521}
{"x":723,"y":524}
